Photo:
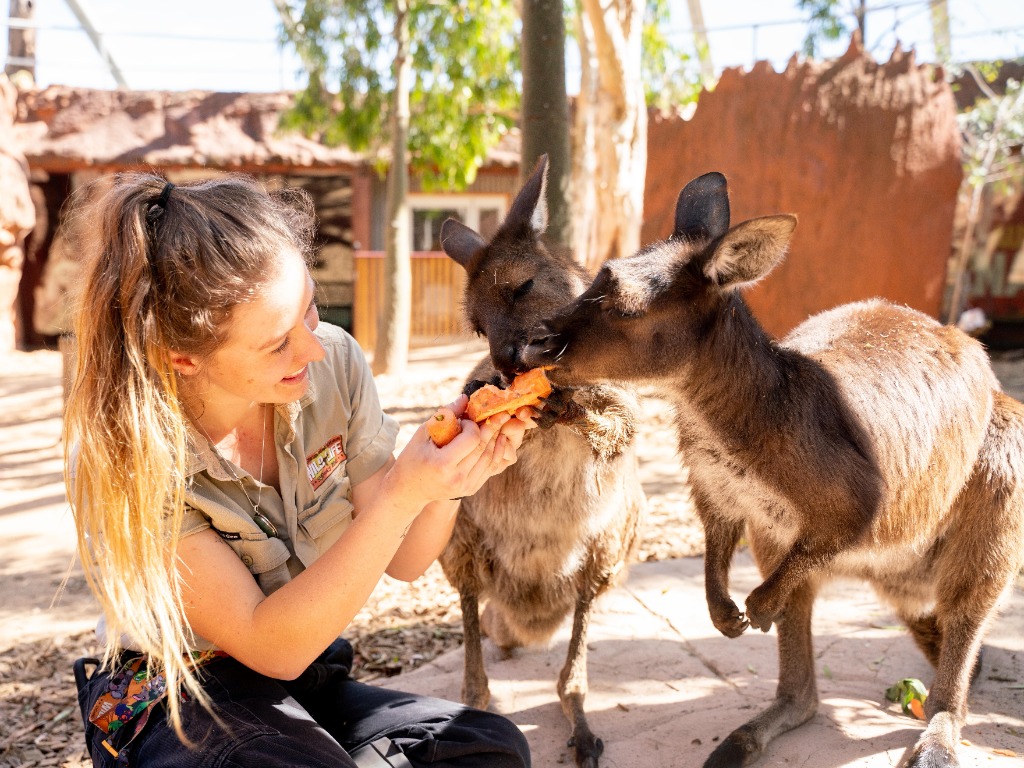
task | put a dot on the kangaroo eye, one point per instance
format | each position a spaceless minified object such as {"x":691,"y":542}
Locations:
{"x":612,"y":309}
{"x":522,"y":290}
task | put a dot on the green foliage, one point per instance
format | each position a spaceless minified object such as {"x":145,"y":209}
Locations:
{"x":993,"y":132}
{"x":905,"y":691}
{"x":465,"y":89}
{"x":824,"y":23}
{"x":671,"y":76}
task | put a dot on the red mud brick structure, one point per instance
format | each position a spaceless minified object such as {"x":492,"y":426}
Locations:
{"x":867,"y":155}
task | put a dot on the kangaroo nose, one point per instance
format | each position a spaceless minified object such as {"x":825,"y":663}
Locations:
{"x":506,"y":359}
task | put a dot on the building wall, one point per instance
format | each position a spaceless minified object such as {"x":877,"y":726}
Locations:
{"x":867,"y":156}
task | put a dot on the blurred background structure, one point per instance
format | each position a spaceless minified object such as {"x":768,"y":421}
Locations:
{"x":892,"y":129}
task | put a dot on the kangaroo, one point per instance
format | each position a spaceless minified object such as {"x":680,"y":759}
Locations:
{"x":871,"y":442}
{"x":551,"y":533}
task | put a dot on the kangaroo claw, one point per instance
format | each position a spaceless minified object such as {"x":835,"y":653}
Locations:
{"x":728,"y":619}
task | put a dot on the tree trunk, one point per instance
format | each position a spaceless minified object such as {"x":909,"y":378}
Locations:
{"x":700,"y":39}
{"x":940,"y":31}
{"x":391,"y":355}
{"x":21,"y":43}
{"x":610,"y":133}
{"x":861,"y":12}
{"x":545,"y":110}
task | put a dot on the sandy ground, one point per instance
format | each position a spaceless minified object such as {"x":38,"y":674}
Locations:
{"x":41,"y":630}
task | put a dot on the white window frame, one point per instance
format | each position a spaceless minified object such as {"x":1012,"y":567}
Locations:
{"x":468,"y":206}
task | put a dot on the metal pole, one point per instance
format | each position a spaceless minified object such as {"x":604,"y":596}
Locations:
{"x":97,"y":41}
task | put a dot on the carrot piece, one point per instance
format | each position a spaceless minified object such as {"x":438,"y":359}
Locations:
{"x":526,"y":389}
{"x":534,"y":382}
{"x":443,"y":426}
{"x":917,"y":708}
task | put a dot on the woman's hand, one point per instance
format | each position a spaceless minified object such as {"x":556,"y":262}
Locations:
{"x":460,"y":468}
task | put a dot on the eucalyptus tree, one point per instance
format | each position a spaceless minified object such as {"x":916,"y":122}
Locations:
{"x":416,"y":85}
{"x":627,"y":65}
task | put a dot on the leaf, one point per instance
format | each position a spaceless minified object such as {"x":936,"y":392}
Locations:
{"x":908,"y":692}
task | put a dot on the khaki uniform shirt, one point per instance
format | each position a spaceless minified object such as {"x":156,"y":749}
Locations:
{"x":335,"y":437}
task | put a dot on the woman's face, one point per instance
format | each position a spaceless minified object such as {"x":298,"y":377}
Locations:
{"x":270,"y":341}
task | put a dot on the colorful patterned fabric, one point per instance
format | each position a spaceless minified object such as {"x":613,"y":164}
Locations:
{"x":132,"y":692}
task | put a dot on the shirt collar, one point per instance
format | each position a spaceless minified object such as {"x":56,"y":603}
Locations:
{"x":201,"y":454}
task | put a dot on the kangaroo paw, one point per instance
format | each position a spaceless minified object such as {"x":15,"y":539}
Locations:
{"x":472,"y":386}
{"x":739,"y":748}
{"x":587,"y":748}
{"x":559,"y":408}
{"x":763,"y":608}
{"x":727,"y":618}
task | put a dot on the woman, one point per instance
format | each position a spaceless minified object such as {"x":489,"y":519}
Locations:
{"x":237,"y":498}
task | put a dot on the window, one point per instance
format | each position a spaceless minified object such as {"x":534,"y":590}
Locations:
{"x":481,"y":213}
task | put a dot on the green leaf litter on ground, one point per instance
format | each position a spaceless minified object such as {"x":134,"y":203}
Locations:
{"x":905,"y":691}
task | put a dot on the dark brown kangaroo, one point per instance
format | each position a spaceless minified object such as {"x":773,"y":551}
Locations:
{"x":546,"y":537}
{"x":871,"y":442}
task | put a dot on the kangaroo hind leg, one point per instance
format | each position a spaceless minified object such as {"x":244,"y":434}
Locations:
{"x":796,"y":698}
{"x":981,"y":554}
{"x":572,"y":687}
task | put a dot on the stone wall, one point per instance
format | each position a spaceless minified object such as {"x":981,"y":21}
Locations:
{"x":867,"y":155}
{"x":17,"y":216}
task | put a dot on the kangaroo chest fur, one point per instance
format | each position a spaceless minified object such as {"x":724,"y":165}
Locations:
{"x":542,"y":515}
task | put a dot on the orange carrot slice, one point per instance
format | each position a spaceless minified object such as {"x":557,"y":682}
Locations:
{"x":443,"y":426}
{"x":526,"y":389}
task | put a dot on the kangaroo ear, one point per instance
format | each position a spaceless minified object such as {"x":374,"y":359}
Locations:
{"x":459,"y":241}
{"x":750,"y":250}
{"x":531,"y":204}
{"x":702,"y":210}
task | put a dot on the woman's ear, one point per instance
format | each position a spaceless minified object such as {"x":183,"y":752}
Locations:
{"x":186,"y":365}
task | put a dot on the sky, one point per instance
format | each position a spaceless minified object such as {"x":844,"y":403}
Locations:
{"x":232,"y":45}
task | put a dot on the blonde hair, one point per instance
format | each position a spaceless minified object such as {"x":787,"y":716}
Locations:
{"x":161,"y":272}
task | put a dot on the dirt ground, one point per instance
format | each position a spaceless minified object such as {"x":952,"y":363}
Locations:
{"x":44,"y":628}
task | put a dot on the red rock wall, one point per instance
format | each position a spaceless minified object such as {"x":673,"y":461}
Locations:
{"x":17,"y":216}
{"x":866,"y":155}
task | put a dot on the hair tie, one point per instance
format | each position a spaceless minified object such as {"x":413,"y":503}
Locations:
{"x":156,"y":208}
{"x":154,"y":213}
{"x":164,"y":194}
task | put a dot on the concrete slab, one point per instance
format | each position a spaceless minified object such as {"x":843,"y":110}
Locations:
{"x":665,"y":686}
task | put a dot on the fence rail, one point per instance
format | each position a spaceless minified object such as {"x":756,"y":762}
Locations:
{"x":437,"y":287}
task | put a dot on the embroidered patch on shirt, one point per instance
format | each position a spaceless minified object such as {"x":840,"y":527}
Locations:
{"x":320,"y":464}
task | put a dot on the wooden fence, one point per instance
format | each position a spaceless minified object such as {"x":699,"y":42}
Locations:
{"x":437,"y":286}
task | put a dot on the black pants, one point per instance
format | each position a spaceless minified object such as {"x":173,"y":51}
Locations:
{"x":312,"y":721}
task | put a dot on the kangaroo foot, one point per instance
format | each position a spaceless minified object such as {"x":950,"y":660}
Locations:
{"x":587,"y":747}
{"x":727,"y":618}
{"x":739,"y":748}
{"x":937,"y":746}
{"x":748,"y":742}
{"x":475,"y":695}
{"x":931,"y":754}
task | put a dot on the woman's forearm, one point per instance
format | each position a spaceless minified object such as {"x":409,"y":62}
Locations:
{"x":425,"y":540}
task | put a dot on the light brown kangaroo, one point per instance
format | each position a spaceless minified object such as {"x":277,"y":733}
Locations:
{"x":546,"y":537}
{"x":871,"y":442}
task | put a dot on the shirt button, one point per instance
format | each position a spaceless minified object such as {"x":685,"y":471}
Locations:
{"x":247,"y":559}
